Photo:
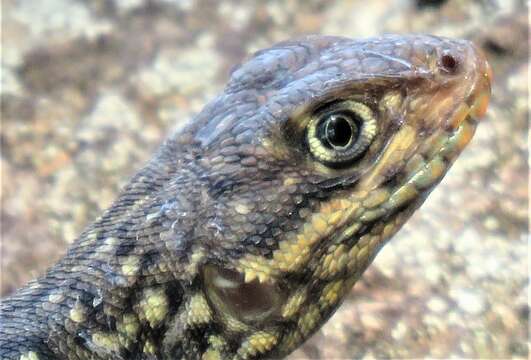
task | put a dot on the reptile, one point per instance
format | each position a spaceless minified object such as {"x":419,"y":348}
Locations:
{"x":242,"y":235}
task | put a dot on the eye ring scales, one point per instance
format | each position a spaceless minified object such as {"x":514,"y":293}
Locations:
{"x":341,"y":133}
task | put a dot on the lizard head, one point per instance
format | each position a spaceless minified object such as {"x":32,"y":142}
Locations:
{"x":315,"y":154}
{"x":250,"y":225}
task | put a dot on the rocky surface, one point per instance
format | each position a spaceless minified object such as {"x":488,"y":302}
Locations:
{"x":90,"y":88}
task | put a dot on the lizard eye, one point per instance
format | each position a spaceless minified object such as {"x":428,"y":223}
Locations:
{"x":341,"y":133}
{"x":248,"y":302}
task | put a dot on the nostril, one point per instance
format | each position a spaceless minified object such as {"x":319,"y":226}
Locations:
{"x":449,"y":63}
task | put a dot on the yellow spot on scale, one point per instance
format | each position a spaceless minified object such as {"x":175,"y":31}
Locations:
{"x":294,"y":303}
{"x":437,"y":167}
{"x":130,"y":265}
{"x":154,"y":306}
{"x":107,"y":341}
{"x":391,"y":101}
{"x":290,"y":181}
{"x":370,"y":215}
{"x":152,"y":216}
{"x":149,"y":347}
{"x":278,"y":150}
{"x":404,"y":194}
{"x":199,"y":311}
{"x":309,"y":320}
{"x":128,"y":325}
{"x":56,"y":298}
{"x":211,"y":354}
{"x":294,"y":252}
{"x":351,"y":230}
{"x":30,"y":355}
{"x":233,"y":324}
{"x":401,"y":142}
{"x":335,"y":218}
{"x":320,"y":225}
{"x":376,"y":197}
{"x":430,"y":173}
{"x":216,"y":341}
{"x":331,"y":294}
{"x":108,"y":246}
{"x":77,"y":313}
{"x":214,"y":351}
{"x":196,"y":259}
{"x":333,"y":262}
{"x":243,"y":209}
{"x":128,"y":328}
{"x":258,"y":343}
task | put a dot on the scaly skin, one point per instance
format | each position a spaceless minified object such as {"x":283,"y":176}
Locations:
{"x":241,"y":236}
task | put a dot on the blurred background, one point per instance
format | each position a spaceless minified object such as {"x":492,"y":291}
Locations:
{"x":89,"y":89}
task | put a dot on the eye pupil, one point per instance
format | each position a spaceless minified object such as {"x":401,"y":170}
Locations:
{"x":338,"y":131}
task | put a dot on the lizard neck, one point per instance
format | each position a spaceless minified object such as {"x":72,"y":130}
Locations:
{"x":114,"y":292}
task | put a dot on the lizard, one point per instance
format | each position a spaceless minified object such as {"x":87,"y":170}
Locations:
{"x":242,"y":235}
